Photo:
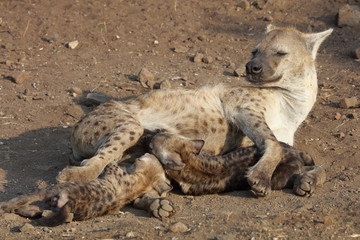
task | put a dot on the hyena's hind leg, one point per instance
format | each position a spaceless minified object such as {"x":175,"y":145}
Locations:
{"x":297,"y":171}
{"x":112,"y":149}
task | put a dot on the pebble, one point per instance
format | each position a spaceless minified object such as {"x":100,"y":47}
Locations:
{"x":179,"y":227}
{"x":144,"y":76}
{"x":349,"y":102}
{"x":202,"y":38}
{"x":238,"y":72}
{"x":27,"y":228}
{"x":73,"y":44}
{"x":337,"y":116}
{"x":130,"y":235}
{"x":244,"y":4}
{"x":180,"y":49}
{"x":341,"y":135}
{"x":207,"y":59}
{"x":349,"y":15}
{"x":75,"y":91}
{"x":355,"y":53}
{"x":198,"y":57}
{"x":10,"y":216}
{"x":268,"y":18}
{"x":20,"y":77}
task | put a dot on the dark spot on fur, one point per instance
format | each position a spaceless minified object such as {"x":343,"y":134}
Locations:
{"x":103,"y":128}
{"x":109,"y":197}
{"x":115,"y":148}
{"x":96,"y":123}
{"x":132,"y":133}
{"x":101,"y":153}
{"x":221,"y":121}
{"x":110,"y":152}
{"x":213,"y":130}
{"x":256,"y":125}
{"x":122,"y":144}
{"x":202,"y":109}
{"x":131,"y":138}
{"x":117,"y":138}
{"x":96,"y":135}
{"x":86,"y":133}
{"x":108,"y":145}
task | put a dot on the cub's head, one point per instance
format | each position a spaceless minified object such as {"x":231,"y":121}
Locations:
{"x":283,"y":56}
{"x":173,"y":150}
{"x":149,"y":166}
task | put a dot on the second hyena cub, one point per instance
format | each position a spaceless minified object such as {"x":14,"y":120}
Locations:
{"x":199,"y":172}
{"x":105,"y":195}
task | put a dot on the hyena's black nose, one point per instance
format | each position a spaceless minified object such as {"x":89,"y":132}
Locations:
{"x":253,"y":67}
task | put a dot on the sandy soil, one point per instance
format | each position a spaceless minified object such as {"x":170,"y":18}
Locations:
{"x":116,"y":40}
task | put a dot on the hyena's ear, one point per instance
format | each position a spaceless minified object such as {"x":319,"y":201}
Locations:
{"x":163,"y":188}
{"x":269,"y":28}
{"x":313,"y":41}
{"x":198,"y":145}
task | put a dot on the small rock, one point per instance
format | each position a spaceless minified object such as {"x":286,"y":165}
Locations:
{"x":179,"y":227}
{"x":130,"y":235}
{"x":9,"y":63}
{"x":355,"y":53}
{"x":198,"y":57}
{"x":73,"y":44}
{"x":96,"y":98}
{"x":20,"y":77}
{"x":165,"y":84}
{"x":268,"y":18}
{"x":207,"y":59}
{"x":180,"y":49}
{"x":230,"y":65}
{"x":27,"y":228}
{"x":349,"y":102}
{"x":244,"y":4}
{"x":10,"y":216}
{"x":340,"y":135}
{"x":238,"y":72}
{"x":349,"y":15}
{"x":75,"y":91}
{"x":202,"y":38}
{"x":145,"y":76}
{"x":337,"y":116}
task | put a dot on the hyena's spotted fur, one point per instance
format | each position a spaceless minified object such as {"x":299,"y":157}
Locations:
{"x":285,"y":87}
{"x":200,"y":172}
{"x":105,"y":195}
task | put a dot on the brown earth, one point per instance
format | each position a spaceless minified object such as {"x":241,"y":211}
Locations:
{"x":116,"y":40}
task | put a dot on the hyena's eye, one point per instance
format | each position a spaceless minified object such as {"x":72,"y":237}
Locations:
{"x":254,"y":52}
{"x":281,"y":53}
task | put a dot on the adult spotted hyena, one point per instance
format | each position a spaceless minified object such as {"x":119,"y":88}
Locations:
{"x":282,"y":70}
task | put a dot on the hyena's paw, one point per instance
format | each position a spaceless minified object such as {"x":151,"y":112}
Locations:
{"x":259,"y":182}
{"x":76,"y":174}
{"x":162,"y":208}
{"x":306,"y":183}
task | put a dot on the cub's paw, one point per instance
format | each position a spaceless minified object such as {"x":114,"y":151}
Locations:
{"x":162,"y":208}
{"x":76,"y":174}
{"x":259,"y":182}
{"x":306,"y":183}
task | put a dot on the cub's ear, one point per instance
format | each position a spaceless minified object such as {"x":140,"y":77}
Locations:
{"x":269,"y":28}
{"x":163,"y":188}
{"x":173,"y":161}
{"x":313,"y":41}
{"x":198,"y":145}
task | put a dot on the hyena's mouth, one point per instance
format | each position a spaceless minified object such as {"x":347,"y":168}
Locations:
{"x":261,"y":80}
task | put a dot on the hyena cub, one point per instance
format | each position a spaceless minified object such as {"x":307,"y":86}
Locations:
{"x":200,"y":172}
{"x":105,"y":195}
{"x":282,"y":70}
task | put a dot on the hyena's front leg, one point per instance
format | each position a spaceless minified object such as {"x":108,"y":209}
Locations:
{"x":158,"y":206}
{"x":123,"y":137}
{"x":253,"y":124}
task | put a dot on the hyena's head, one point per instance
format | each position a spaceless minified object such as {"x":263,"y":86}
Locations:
{"x":284,"y":57}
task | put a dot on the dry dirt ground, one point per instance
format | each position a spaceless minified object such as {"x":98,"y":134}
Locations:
{"x":116,"y":40}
